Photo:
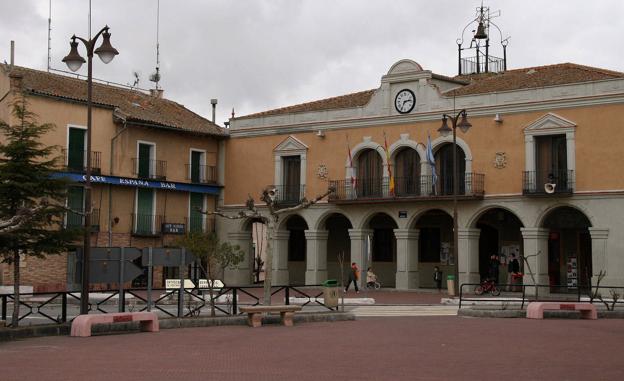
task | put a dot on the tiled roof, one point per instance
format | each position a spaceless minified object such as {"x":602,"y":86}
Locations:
{"x":134,"y":104}
{"x":532,"y":77}
{"x":344,"y":101}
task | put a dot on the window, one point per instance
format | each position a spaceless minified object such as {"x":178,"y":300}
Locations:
{"x":444,"y":168}
{"x":144,"y":218}
{"x":196,"y":219}
{"x":551,"y":161}
{"x":291,"y":181}
{"x":369,"y":174}
{"x":75,"y":202}
{"x":76,"y":159}
{"x":145,"y":160}
{"x":198,"y":167}
{"x":407,"y":173}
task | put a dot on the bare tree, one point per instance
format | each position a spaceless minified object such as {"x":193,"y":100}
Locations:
{"x":268,"y":197}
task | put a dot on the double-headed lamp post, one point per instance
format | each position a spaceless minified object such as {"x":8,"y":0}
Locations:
{"x":74,"y":61}
{"x":445,"y":130}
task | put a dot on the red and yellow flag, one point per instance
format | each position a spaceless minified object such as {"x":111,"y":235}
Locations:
{"x":391,"y":184}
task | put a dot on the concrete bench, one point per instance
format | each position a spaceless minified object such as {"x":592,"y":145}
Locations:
{"x":254,"y":314}
{"x":81,"y":326}
{"x":535,"y":310}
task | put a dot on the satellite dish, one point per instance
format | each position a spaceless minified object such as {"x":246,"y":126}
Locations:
{"x":550,"y":188}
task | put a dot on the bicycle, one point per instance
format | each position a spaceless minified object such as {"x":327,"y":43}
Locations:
{"x":487,"y":285}
{"x":373,"y":285}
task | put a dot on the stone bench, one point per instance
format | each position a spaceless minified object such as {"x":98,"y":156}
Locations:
{"x":81,"y":326}
{"x":254,"y":314}
{"x":535,"y":310}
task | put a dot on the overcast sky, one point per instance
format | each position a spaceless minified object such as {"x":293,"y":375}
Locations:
{"x":258,"y":55}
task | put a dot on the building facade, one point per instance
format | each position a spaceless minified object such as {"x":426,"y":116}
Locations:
{"x":153,"y":161}
{"x":538,"y":174}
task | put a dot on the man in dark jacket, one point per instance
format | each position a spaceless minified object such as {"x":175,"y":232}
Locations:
{"x":513,"y":270}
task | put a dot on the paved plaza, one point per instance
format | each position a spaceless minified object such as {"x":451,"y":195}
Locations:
{"x":390,"y":348}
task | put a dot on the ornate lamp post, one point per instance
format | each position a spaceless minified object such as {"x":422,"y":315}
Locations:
{"x":445,"y":130}
{"x":74,"y":61}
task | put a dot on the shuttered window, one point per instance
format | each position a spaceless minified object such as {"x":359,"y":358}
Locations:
{"x":196,"y":219}
{"x":76,"y":149}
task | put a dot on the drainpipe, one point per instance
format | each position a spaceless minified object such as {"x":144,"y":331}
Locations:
{"x":119,"y":116}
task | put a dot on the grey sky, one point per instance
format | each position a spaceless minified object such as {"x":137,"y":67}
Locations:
{"x":258,"y":55}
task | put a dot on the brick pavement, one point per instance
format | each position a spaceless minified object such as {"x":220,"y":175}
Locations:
{"x":401,"y":348}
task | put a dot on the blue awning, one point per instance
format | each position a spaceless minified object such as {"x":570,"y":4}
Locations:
{"x":141,"y":183}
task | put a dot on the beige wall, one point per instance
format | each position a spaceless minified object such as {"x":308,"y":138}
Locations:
{"x":599,"y":138}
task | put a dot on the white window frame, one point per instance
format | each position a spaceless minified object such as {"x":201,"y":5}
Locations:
{"x":78,"y":127}
{"x":152,"y":158}
{"x":203,"y":216}
{"x":136,"y":208}
{"x":291,"y":146}
{"x":202,"y":176}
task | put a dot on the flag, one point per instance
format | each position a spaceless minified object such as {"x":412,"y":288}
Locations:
{"x":391,"y":187}
{"x":352,"y":171}
{"x":431,"y":161}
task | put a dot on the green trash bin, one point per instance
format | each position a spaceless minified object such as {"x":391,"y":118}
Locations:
{"x":331,"y":291}
{"x":450,"y":285}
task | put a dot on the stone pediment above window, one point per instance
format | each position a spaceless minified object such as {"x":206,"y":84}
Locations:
{"x":549,"y":124}
{"x":291,"y":146}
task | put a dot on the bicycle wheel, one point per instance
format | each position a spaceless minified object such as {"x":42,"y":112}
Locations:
{"x":377,"y":285}
{"x":478,"y":290}
{"x":495,"y":291}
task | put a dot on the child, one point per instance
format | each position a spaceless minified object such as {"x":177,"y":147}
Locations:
{"x":371,"y":278}
{"x":437,"y":277}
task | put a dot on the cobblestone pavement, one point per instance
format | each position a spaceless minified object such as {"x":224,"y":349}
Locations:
{"x":397,"y":348}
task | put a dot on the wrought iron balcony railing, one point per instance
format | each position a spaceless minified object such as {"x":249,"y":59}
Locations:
{"x":201,"y":174}
{"x":76,"y":160}
{"x":205,"y":224}
{"x":149,"y":169}
{"x":418,"y":187}
{"x":558,"y":182}
{"x":75,"y":220}
{"x":288,"y":194}
{"x":146,"y":224}
{"x":470,"y":65}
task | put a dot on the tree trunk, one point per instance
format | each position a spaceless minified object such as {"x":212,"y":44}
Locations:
{"x":213,"y":313}
{"x":16,"y":290}
{"x":268,"y":265}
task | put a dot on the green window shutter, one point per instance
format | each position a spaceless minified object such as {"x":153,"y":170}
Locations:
{"x":76,"y":149}
{"x":196,"y":166}
{"x":145,"y":211}
{"x":196,"y":218}
{"x":144,"y":160}
{"x":75,"y":201}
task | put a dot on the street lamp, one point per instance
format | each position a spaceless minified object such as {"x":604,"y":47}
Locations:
{"x":74,"y":61}
{"x":445,"y":130}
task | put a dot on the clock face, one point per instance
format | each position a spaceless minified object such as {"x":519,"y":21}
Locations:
{"x":404,"y":101}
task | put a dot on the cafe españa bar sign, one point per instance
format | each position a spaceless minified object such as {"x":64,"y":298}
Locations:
{"x":142,"y":183}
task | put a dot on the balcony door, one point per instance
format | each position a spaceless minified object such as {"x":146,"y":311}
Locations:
{"x":444,"y":167}
{"x":76,"y":149}
{"x":292,"y":179}
{"x":369,"y":174}
{"x":197,"y":167}
{"x":407,"y":173}
{"x":75,"y":202}
{"x":144,"y":222}
{"x":146,"y":156}
{"x":196,"y":219}
{"x":551,"y":161}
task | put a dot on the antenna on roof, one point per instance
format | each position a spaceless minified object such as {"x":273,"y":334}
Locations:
{"x":155,"y":77}
{"x":49,"y":35}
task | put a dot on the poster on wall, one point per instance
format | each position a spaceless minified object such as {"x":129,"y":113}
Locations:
{"x":572,"y":272}
{"x":507,"y":250}
{"x":445,"y":250}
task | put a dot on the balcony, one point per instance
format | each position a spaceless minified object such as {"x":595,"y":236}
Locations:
{"x":205,"y":224}
{"x":288,"y":195}
{"x":149,"y":169}
{"x":76,"y":221}
{"x":201,"y":174}
{"x":470,"y":65}
{"x":534,"y":183}
{"x":146,"y":225}
{"x":76,"y":161}
{"x":407,"y":189}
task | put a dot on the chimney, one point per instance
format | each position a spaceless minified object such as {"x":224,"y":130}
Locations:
{"x":12,"y":53}
{"x":213,"y":102}
{"x":157,"y":93}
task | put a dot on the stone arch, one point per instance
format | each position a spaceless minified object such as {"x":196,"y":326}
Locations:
{"x":412,"y":222}
{"x":320,"y":222}
{"x":441,"y":140}
{"x":284,"y":221}
{"x":366,"y":144}
{"x":541,"y":218}
{"x":365,"y":220}
{"x":404,"y":65}
{"x":474,"y":219}
{"x":404,"y":142}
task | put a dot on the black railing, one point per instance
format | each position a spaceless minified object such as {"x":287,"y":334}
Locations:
{"x":469,"y":65}
{"x":75,"y":220}
{"x":146,"y":224}
{"x":76,"y":161}
{"x":202,"y":223}
{"x":288,"y":194}
{"x":471,"y":185}
{"x":526,"y":293}
{"x":548,"y":182}
{"x":63,"y":306}
{"x":201,"y":174}
{"x":149,"y":169}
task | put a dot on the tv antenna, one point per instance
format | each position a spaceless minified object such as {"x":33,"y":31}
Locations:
{"x":155,"y":77}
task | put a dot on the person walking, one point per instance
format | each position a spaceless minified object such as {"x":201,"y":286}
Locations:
{"x":437,"y":277}
{"x":354,"y":275}
{"x":493,"y":268}
{"x":513,"y":269}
